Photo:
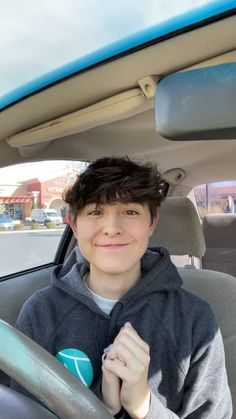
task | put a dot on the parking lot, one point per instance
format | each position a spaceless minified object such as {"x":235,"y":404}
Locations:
{"x":27,"y":249}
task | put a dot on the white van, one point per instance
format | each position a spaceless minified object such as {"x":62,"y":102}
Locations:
{"x":45,"y":216}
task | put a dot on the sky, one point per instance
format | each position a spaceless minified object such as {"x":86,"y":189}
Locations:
{"x":38,"y":36}
{"x":42,"y":170}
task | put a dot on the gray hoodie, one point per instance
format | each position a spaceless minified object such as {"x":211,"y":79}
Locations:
{"x":187,"y":375}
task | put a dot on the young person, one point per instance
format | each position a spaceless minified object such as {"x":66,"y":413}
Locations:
{"x":155,"y":349}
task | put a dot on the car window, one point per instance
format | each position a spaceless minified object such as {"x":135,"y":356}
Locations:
{"x":33,"y":215}
{"x":214,"y":198}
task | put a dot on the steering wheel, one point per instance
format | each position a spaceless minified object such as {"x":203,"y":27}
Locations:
{"x":43,"y":376}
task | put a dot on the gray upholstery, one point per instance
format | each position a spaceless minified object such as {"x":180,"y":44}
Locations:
{"x":14,"y":292}
{"x":220,"y":236}
{"x":219,"y":290}
{"x":14,"y":405}
{"x":179,"y":228}
{"x":179,"y":231}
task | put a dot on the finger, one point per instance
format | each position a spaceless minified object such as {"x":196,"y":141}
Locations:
{"x":129,"y":325}
{"x":119,"y":369}
{"x":109,"y":378}
{"x":110,"y":354}
{"x":130,"y":331}
{"x":107,"y":361}
{"x":134,"y":342}
{"x":133,"y":360}
{"x":126,"y":328}
{"x":111,"y":386}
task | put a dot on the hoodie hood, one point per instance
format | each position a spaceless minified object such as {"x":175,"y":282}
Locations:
{"x":158,"y":274}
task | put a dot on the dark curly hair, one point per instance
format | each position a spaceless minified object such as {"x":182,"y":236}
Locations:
{"x":116,"y":179}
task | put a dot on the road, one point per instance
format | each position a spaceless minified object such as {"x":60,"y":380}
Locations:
{"x":27,"y":249}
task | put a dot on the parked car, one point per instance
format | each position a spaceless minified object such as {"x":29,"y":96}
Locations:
{"x":45,"y":216}
{"x":105,"y":104}
{"x":6,"y":222}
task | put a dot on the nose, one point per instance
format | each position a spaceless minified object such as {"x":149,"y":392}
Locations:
{"x":112,"y":225}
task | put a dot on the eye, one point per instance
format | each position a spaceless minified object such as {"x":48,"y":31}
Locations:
{"x":95,"y":212}
{"x":131,"y":212}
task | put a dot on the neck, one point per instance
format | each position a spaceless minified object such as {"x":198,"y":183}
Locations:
{"x":113,"y":286}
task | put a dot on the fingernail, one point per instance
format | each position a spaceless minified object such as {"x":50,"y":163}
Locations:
{"x":106,"y":350}
{"x":128,"y":324}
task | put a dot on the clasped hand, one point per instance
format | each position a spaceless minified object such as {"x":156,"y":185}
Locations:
{"x":125,"y":374}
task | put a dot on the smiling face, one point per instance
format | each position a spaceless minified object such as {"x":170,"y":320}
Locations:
{"x":113,"y":238}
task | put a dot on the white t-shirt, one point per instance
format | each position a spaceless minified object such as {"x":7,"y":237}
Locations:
{"x":105,"y":304}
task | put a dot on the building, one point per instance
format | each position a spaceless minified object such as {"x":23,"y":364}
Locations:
{"x":19,"y":199}
{"x":221,"y":196}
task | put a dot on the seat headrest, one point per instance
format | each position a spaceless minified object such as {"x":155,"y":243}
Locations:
{"x":220,"y":230}
{"x":179,"y":228}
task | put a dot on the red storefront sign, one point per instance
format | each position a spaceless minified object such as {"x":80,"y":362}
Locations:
{"x":16,"y":199}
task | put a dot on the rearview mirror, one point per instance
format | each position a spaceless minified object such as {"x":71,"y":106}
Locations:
{"x":198,"y":104}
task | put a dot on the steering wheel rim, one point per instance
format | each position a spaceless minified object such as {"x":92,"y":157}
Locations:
{"x":43,"y":376}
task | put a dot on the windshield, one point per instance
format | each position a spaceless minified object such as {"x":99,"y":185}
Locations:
{"x":51,"y":214}
{"x":63,"y":38}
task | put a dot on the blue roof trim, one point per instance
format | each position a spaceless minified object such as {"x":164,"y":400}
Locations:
{"x":137,"y":40}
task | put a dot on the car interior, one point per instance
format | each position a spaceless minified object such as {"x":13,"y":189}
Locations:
{"x":151,"y":103}
{"x":219,"y":232}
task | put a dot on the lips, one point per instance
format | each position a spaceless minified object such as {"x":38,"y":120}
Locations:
{"x":112,"y":245}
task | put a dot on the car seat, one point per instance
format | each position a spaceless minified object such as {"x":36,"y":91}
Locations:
{"x":180,"y":231}
{"x":220,"y":235}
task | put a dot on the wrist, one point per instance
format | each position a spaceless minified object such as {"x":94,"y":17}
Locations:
{"x":142,"y":411}
{"x":116,"y":413}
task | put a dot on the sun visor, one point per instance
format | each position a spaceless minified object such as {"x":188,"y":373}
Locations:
{"x":122,"y":105}
{"x":198,"y":104}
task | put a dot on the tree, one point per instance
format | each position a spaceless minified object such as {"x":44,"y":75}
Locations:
{"x":2,"y":208}
{"x":77,"y":167}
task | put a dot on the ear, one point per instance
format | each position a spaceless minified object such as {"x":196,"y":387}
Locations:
{"x":73,"y":224}
{"x":154,"y":224}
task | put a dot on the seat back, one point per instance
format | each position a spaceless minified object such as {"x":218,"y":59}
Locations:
{"x":220,"y":236}
{"x":219,"y":290}
{"x":179,"y":230}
